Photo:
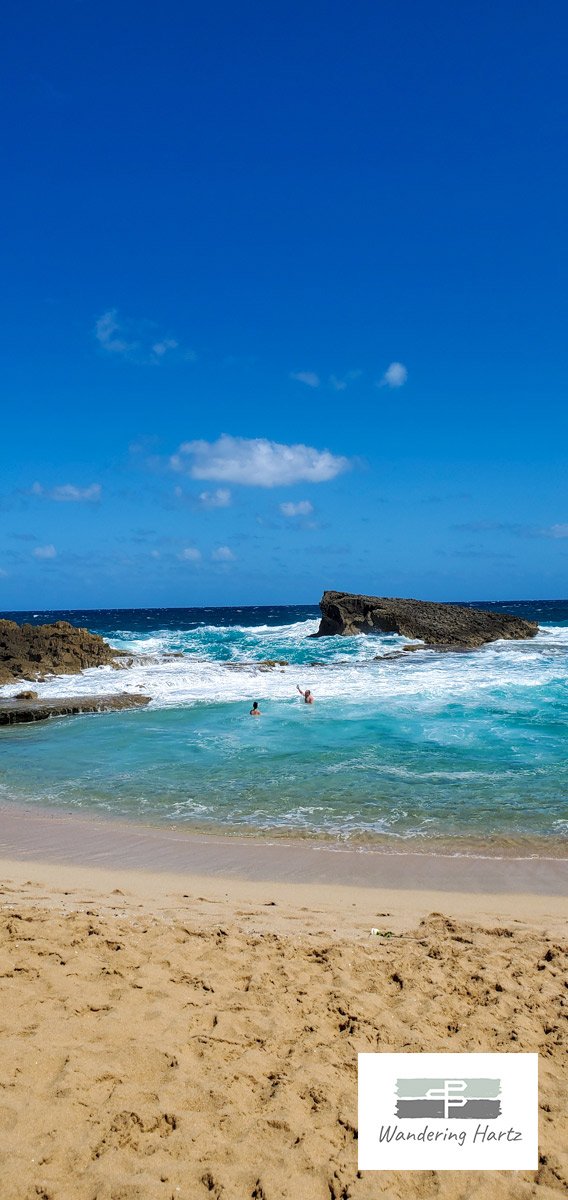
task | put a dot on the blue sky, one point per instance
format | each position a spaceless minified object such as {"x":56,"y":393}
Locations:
{"x":284,"y":301}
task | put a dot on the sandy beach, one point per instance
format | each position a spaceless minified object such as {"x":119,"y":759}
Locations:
{"x":186,"y":1034}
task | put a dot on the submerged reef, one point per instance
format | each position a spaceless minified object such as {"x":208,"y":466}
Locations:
{"x":16,"y":712}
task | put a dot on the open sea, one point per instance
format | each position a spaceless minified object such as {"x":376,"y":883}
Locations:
{"x":463,"y":753}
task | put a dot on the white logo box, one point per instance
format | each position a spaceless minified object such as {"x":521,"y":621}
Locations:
{"x":453,"y":1112}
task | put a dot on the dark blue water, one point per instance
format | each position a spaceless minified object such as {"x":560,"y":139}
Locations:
{"x":139,"y":620}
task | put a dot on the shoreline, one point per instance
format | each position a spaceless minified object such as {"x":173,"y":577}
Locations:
{"x":517,"y":848}
{"x":79,"y":840}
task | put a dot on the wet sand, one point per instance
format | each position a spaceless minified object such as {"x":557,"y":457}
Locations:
{"x":59,"y":837}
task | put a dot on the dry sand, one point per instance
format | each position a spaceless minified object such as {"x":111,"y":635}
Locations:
{"x":185,"y":1037}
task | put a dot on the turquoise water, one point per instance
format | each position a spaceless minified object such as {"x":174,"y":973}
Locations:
{"x":426,"y":749}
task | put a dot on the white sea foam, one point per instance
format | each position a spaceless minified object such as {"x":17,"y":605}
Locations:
{"x":222,"y":664}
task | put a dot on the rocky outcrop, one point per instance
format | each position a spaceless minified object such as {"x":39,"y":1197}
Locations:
{"x":33,"y":651}
{"x":14,"y":712}
{"x":447,"y":625}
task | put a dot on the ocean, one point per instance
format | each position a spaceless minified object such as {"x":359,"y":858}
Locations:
{"x":459,"y":753}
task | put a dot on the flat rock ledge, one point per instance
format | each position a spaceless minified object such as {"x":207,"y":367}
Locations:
{"x":15,"y":712}
{"x":445,"y":625}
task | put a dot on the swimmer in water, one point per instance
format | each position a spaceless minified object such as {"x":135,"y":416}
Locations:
{"x":255,"y":711}
{"x":308,"y":697}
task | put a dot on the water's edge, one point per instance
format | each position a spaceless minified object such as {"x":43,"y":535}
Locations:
{"x":59,"y":838}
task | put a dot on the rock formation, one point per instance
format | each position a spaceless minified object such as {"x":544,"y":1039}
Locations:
{"x":33,"y":651}
{"x":14,"y":712}
{"x":446,"y":625}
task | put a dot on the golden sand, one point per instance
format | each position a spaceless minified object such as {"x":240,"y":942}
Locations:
{"x":188,"y":1038}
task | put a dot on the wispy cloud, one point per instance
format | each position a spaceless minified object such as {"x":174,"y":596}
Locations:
{"x":556,"y":531}
{"x":161,"y":348}
{"x":513,"y":527}
{"x":223,"y":554}
{"x":476,"y":552}
{"x":45,"y":552}
{"x":108,"y":334}
{"x":257,"y":462}
{"x":137,"y":341}
{"x":220,"y":498}
{"x":190,"y":554}
{"x":308,"y":377}
{"x":339,"y":383}
{"x":444,"y":497}
{"x":68,"y":492}
{"x":302,"y":508}
{"x":395,"y":376}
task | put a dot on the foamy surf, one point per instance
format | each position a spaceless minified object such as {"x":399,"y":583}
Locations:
{"x":226,"y":666}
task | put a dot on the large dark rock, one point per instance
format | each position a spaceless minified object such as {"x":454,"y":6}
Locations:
{"x":448,"y":625}
{"x":14,"y":712}
{"x":33,"y":651}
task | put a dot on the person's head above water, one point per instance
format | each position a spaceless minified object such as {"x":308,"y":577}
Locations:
{"x":255,"y":711}
{"x":255,"y":705}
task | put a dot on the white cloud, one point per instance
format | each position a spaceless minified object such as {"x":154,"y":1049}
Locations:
{"x":44,"y":552}
{"x":161,"y":348}
{"x":68,"y":492}
{"x":221,"y":498}
{"x":223,"y":554}
{"x":395,"y":376}
{"x":308,"y":377}
{"x":557,"y":531}
{"x":257,"y":462}
{"x":302,"y":508}
{"x":137,"y":341}
{"x":106,"y":329}
{"x":190,"y":554}
{"x":339,"y":383}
